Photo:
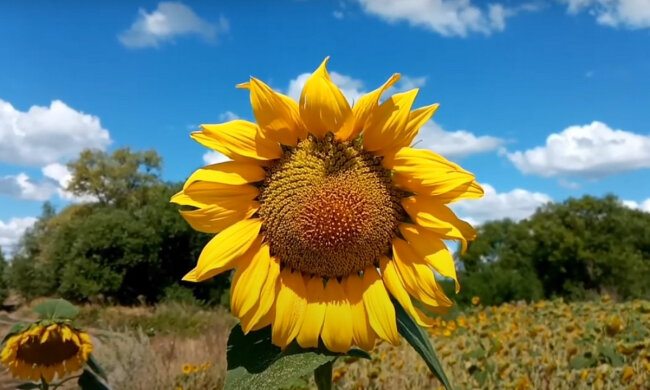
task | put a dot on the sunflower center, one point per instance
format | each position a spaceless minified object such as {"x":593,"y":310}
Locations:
{"x":329,"y":208}
{"x":53,"y":351}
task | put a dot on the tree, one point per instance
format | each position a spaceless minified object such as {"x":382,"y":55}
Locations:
{"x":113,"y":179}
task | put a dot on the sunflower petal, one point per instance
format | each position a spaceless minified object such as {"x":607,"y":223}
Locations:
{"x":362,"y":333}
{"x":290,"y":308}
{"x":277,"y":115}
{"x":249,"y":278}
{"x":238,"y":140}
{"x":229,"y":172}
{"x":429,"y":246}
{"x":337,"y":326}
{"x":204,"y":193}
{"x":323,"y":107}
{"x":395,"y":285}
{"x":381,"y":312}
{"x":363,"y":110}
{"x":223,"y":250}
{"x":418,"y":278}
{"x":388,"y":122}
{"x":262,"y":312}
{"x":215,"y":218}
{"x":314,"y":314}
{"x":437,"y":217}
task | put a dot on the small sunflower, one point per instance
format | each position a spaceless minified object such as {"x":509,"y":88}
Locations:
{"x":45,"y":351}
{"x":186,"y":369}
{"x":326,"y":212}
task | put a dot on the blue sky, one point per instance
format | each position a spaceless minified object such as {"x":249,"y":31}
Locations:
{"x":542,"y":100}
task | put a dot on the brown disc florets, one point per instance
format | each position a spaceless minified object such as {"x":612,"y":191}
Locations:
{"x":329,"y":208}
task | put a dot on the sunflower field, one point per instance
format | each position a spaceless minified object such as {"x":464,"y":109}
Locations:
{"x":545,"y":345}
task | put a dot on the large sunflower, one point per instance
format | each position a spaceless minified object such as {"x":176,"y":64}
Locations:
{"x":43,"y":351}
{"x":326,"y":212}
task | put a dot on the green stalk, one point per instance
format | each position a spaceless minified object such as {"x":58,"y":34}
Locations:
{"x":323,"y":376}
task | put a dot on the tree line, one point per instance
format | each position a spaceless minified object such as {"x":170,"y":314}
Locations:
{"x":128,"y":243}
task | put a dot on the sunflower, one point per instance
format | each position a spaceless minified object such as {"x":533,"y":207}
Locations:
{"x":46,"y":350}
{"x":326,"y":213}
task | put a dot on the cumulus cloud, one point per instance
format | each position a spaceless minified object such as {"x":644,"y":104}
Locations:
{"x":643,"y":206}
{"x":633,"y":14}
{"x":21,"y":186}
{"x":517,"y":204}
{"x":454,"y":144}
{"x":445,"y":17}
{"x":42,"y":135}
{"x":168,"y":21}
{"x":590,"y":151}
{"x":12,"y":230}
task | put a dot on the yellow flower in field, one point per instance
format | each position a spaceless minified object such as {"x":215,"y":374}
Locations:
{"x":627,"y":374}
{"x":45,"y":351}
{"x":195,"y":369}
{"x":186,"y":369}
{"x":476,"y":300}
{"x":326,"y":211}
{"x":205,"y":366}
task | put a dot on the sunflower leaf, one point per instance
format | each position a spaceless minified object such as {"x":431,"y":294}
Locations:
{"x":28,"y":386}
{"x":255,"y":363}
{"x":420,"y":342}
{"x":56,"y":309}
{"x":18,"y":327}
{"x":96,"y":368}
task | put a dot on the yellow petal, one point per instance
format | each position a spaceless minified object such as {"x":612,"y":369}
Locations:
{"x":362,"y":334}
{"x":435,"y":216}
{"x":417,"y":118}
{"x":314,"y":314}
{"x":277,"y":115}
{"x":363,"y":110}
{"x":418,"y":278}
{"x":387,"y":124}
{"x":426,"y":173}
{"x":395,"y":285}
{"x":223,"y":250}
{"x":249,"y":278}
{"x":290,"y":308}
{"x":471,"y":190}
{"x":215,"y":218}
{"x":337,"y":327}
{"x":323,"y":107}
{"x":381,"y":312}
{"x":204,"y":193}
{"x":238,"y":139}
{"x":429,"y":246}
{"x":229,"y":172}
{"x":262,"y":312}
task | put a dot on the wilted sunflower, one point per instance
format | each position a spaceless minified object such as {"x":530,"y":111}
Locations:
{"x":46,"y":350}
{"x":324,"y":211}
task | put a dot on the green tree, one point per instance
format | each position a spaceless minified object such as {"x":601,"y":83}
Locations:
{"x":3,"y":284}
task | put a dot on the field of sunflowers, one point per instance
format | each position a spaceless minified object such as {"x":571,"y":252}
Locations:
{"x":546,"y":345}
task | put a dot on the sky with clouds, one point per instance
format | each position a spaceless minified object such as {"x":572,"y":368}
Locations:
{"x":542,"y":99}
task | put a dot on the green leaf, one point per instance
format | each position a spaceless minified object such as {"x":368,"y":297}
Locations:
{"x":580,"y":362}
{"x":255,"y":363}
{"x":18,"y":327}
{"x":481,"y":377}
{"x":56,"y":309}
{"x":96,"y":368}
{"x":420,"y":342}
{"x":476,"y":354}
{"x":609,"y":352}
{"x":323,"y":376}
{"x":89,"y":381}
{"x":28,"y":386}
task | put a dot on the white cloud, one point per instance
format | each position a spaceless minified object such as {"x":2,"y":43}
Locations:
{"x":61,"y":175}
{"x":167,"y":21}
{"x":42,"y":135}
{"x":11,"y":231}
{"x":590,"y":151}
{"x":517,"y":204}
{"x":634,"y":14}
{"x":454,"y":144}
{"x":643,"y":206}
{"x":445,"y":17}
{"x":20,"y":186}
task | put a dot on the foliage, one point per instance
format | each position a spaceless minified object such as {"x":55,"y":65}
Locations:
{"x":4,"y":292}
{"x":576,"y":249}
{"x":129,"y":245}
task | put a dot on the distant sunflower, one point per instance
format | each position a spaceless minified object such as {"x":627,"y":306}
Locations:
{"x":324,"y":211}
{"x":46,"y":351}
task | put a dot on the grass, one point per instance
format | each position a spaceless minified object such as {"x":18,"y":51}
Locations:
{"x":547,"y":345}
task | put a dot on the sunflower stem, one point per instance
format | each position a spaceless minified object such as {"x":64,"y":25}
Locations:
{"x":323,"y":376}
